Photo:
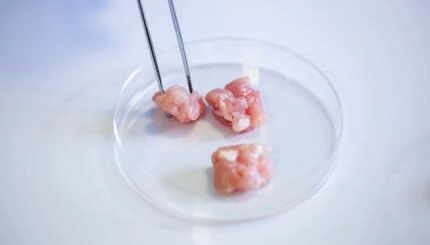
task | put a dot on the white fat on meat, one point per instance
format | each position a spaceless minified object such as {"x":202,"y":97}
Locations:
{"x":229,"y":155}
{"x":241,"y":124}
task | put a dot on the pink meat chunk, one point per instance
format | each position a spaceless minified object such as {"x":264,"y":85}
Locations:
{"x":238,"y":105}
{"x":240,"y":168}
{"x":179,"y":103}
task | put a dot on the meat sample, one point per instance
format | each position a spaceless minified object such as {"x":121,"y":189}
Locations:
{"x":179,"y":103}
{"x":238,"y":105}
{"x":239,"y":168}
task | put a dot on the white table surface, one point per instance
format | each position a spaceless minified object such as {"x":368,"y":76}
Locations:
{"x":62,"y":62}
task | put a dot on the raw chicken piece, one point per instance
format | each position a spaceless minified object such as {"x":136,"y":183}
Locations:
{"x":239,"y":168}
{"x":179,"y":103}
{"x":238,"y":105}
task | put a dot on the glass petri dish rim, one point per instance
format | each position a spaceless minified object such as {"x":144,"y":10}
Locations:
{"x":338,"y":133}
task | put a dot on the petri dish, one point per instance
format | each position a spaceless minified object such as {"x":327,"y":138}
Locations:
{"x":169,"y":163}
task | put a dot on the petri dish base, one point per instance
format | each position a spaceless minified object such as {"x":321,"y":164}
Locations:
{"x":169,"y":163}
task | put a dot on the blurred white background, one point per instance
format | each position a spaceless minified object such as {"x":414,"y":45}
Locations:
{"x":62,"y":62}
